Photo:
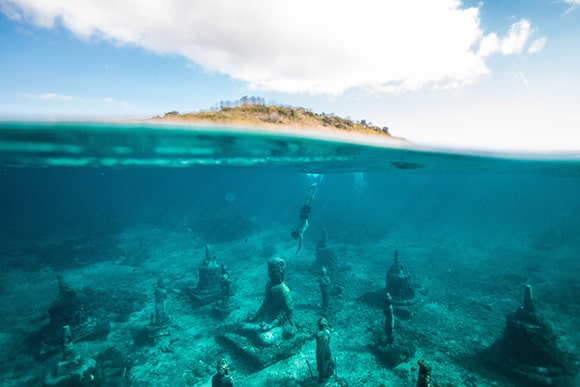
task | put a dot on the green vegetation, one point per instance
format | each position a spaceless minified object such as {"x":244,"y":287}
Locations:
{"x":275,"y":115}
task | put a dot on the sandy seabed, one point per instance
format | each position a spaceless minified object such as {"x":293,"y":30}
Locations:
{"x":466,"y":289}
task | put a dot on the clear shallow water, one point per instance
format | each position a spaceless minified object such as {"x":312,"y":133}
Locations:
{"x":57,"y":144}
{"x":483,"y":225}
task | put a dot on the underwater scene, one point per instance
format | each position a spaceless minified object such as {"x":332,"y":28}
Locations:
{"x":148,"y":255}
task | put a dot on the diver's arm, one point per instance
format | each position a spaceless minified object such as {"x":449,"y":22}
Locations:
{"x":313,"y":190}
{"x":311,"y":195}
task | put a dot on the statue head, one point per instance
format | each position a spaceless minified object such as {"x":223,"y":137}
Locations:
{"x":323,"y":271}
{"x":322,"y":323}
{"x":276,"y":269}
{"x":222,"y":367}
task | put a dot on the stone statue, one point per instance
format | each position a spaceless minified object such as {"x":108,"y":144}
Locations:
{"x":324,"y":361}
{"x":65,"y":309}
{"x":325,"y":256}
{"x":389,"y":318}
{"x":225,"y":306}
{"x":72,"y":370}
{"x":222,"y":376}
{"x":529,"y":349}
{"x":68,"y":349}
{"x":270,"y":334}
{"x":160,"y":317}
{"x":75,"y":309}
{"x":273,"y":320}
{"x":389,"y":351}
{"x":226,"y":287}
{"x":209,"y":273}
{"x":208,"y":288}
{"x":159,"y":325}
{"x":398,"y":284}
{"x":424,"y":379}
{"x":325,"y":288}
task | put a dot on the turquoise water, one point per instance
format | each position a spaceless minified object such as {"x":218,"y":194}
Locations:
{"x":114,"y":206}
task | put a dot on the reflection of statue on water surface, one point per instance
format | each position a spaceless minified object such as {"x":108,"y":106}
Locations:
{"x":273,"y":320}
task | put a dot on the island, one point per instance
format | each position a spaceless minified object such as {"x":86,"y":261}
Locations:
{"x":255,"y":113}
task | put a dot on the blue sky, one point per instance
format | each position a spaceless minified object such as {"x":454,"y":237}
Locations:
{"x":493,"y":74}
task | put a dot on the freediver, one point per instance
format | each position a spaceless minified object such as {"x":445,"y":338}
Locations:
{"x":302,"y":225}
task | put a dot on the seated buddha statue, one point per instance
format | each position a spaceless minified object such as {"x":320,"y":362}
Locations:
{"x":273,"y":320}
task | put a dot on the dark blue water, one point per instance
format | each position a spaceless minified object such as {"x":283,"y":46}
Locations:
{"x":369,"y":193}
{"x":454,"y":216}
{"x":408,"y":203}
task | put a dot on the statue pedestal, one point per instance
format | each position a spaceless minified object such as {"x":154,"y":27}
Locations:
{"x":202,"y":298}
{"x":154,"y":331}
{"x":264,"y":356}
{"x":393,"y":354}
{"x":222,"y":310}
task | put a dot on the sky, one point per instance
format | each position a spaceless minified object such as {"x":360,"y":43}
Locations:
{"x":497,"y":75}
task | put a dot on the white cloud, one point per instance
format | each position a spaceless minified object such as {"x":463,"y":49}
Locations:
{"x":299,"y":46}
{"x":52,"y":97}
{"x":513,"y":43}
{"x":488,"y":45}
{"x":537,"y":45}
{"x":516,"y":38}
{"x":10,"y":10}
{"x":55,"y":97}
{"x":572,"y":3}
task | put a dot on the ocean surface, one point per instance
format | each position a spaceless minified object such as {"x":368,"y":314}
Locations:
{"x":111,"y":207}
